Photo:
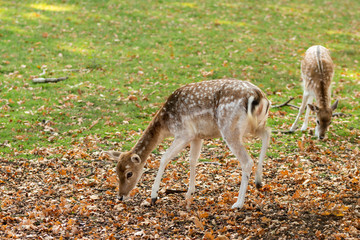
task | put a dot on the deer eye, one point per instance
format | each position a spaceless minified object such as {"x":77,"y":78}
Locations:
{"x":129,"y":175}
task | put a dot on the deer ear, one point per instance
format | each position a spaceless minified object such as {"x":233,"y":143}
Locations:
{"x":335,"y":105}
{"x":313,"y":108}
{"x":112,"y":154}
{"x":135,"y":159}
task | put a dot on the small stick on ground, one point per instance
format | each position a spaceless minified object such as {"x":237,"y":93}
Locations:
{"x":285,"y":104}
{"x":94,"y":123}
{"x":100,"y":189}
{"x":283,"y":131}
{"x":172,"y":191}
{"x":48,"y":80}
{"x":340,"y":114}
{"x":215,"y":163}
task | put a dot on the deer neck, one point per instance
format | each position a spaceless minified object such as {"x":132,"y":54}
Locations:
{"x":151,"y":137}
{"x":323,"y":95}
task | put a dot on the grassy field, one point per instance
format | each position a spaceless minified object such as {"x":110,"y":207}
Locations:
{"x":123,"y":58}
{"x":148,"y":50}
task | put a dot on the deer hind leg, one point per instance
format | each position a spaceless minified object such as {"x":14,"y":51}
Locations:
{"x":301,"y":110}
{"x":265,"y":138}
{"x":178,"y":144}
{"x":195,"y":148}
{"x":306,"y":120}
{"x":233,"y":140}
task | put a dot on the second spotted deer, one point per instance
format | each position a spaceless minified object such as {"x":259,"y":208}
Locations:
{"x":317,"y":71}
{"x":224,"y":108}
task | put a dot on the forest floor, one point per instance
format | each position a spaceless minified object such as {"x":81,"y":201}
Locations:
{"x":121,"y":60}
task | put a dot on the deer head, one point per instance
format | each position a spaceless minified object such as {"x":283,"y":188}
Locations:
{"x":323,"y":118}
{"x":128,"y":169}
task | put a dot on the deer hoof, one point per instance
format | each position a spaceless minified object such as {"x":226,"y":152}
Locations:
{"x":153,"y":200}
{"x":258,"y":185}
{"x":237,"y":205}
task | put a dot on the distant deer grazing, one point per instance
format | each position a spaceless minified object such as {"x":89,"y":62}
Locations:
{"x":317,"y":71}
{"x":224,"y":108}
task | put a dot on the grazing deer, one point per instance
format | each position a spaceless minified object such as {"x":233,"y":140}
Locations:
{"x":224,"y":108}
{"x":317,"y":71}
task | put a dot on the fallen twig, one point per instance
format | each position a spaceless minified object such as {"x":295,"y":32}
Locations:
{"x":94,"y":123}
{"x":215,"y":163}
{"x":150,"y":170}
{"x":48,"y":80}
{"x":340,"y":114}
{"x":283,"y":131}
{"x":285,"y":104}
{"x":171,"y":191}
{"x":100,"y":189}
{"x":66,"y":70}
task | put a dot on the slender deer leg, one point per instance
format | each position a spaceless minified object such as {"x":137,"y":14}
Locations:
{"x":301,"y":110}
{"x":195,"y":148}
{"x":177,"y":145}
{"x":246,"y":165}
{"x":232,"y":138}
{"x":306,"y":120}
{"x":265,"y":137}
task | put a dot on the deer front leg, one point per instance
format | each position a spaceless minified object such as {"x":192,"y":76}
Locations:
{"x":301,"y":110}
{"x":307,"y":114}
{"x":195,"y":148}
{"x":177,"y":145}
{"x":265,"y":137}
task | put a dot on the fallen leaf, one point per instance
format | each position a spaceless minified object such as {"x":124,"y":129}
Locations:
{"x":132,"y":98}
{"x":62,"y":171}
{"x":300,"y":145}
{"x":198,"y":224}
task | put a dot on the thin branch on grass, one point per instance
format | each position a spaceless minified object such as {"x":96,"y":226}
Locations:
{"x":283,"y":131}
{"x":286,"y":104}
{"x":66,"y":70}
{"x":48,"y":80}
{"x":283,"y":104}
{"x":94,"y":123}
{"x":340,"y":114}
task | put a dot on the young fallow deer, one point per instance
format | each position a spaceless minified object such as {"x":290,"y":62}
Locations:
{"x":224,"y":108}
{"x":317,"y":71}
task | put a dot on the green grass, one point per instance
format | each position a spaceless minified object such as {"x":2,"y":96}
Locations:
{"x":148,"y":49}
